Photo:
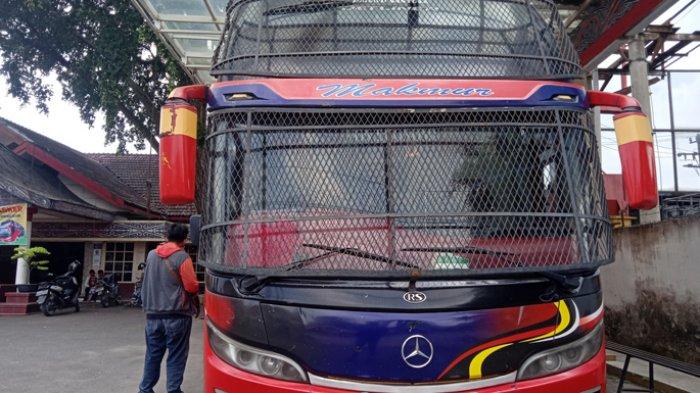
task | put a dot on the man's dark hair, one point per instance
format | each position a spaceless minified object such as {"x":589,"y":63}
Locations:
{"x":177,"y":233}
{"x":92,"y":271}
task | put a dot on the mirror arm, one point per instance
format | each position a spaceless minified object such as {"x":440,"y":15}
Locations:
{"x":190,"y":93}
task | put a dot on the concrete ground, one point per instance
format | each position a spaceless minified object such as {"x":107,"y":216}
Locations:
{"x":95,"y":350}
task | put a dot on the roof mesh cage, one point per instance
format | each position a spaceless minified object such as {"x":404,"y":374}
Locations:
{"x":522,"y":39}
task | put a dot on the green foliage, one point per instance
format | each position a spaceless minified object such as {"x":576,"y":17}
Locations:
{"x":29,"y":254}
{"x":104,"y":55}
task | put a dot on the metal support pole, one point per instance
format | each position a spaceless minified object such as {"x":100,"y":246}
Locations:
{"x":623,"y":374}
{"x":639,"y":73}
{"x":594,"y":84}
{"x":669,"y":82}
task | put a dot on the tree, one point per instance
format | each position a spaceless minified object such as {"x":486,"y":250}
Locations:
{"x":103,"y":54}
{"x":30,"y":255}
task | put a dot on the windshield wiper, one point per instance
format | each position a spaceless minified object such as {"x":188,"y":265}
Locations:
{"x":308,"y":261}
{"x":361,"y":254}
{"x":307,"y":7}
{"x":252,"y":284}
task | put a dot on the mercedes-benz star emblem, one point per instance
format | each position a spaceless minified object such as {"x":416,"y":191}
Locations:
{"x":417,"y":351}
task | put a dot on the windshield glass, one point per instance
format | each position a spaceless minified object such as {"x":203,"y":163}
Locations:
{"x":395,"y":38}
{"x":366,"y":192}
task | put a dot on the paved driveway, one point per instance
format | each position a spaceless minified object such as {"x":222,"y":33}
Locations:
{"x":95,"y":350}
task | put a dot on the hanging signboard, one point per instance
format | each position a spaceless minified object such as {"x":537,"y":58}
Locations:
{"x":13,"y":225}
{"x":96,"y":256}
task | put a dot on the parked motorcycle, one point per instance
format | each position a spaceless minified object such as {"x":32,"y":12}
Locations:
{"x":135,"y":300}
{"x":108,"y":291}
{"x":60,"y":292}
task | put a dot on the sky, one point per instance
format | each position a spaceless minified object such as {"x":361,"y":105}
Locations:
{"x":63,"y":121}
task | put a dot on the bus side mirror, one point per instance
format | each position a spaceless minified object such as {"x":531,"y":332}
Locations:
{"x":178,"y":144}
{"x":178,"y":152}
{"x":634,"y":139}
{"x":195,"y":228}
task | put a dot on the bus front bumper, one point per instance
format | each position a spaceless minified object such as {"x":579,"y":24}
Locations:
{"x":219,"y":377}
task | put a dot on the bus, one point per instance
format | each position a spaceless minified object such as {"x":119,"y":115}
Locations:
{"x":400,"y":196}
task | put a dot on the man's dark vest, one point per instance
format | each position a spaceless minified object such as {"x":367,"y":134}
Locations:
{"x":162,"y":291}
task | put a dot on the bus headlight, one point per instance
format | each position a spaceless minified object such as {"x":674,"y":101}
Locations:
{"x":563,"y":358}
{"x":253,"y":360}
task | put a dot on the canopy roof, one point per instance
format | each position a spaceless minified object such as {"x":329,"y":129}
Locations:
{"x":191,"y":28}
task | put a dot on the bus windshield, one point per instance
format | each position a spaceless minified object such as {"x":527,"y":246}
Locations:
{"x":395,"y":191}
{"x":395,"y":38}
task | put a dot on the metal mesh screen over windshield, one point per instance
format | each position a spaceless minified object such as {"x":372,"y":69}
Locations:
{"x":396,"y":191}
{"x":396,"y":38}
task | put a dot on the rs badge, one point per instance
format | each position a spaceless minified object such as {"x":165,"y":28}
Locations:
{"x":414,"y":297}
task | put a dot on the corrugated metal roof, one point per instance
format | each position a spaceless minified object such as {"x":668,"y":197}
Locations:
{"x":32,"y":182}
{"x":78,"y":162}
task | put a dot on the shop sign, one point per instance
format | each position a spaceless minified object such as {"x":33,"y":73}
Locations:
{"x":13,"y":225}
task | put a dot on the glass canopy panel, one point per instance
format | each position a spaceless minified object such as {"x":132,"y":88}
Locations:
{"x":197,"y":47}
{"x":199,"y":62}
{"x":219,"y":7}
{"x":191,"y":26}
{"x":179,"y":7}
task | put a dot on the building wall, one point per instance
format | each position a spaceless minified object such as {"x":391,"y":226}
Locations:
{"x":662,"y":257}
{"x":98,"y":261}
{"x":652,"y":291}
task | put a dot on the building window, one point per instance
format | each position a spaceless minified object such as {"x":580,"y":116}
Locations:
{"x":119,"y":260}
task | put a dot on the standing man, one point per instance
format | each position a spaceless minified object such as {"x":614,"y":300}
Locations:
{"x":167,"y":280}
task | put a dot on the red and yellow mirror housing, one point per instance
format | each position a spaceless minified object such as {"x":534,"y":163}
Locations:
{"x":178,"y":152}
{"x":633,"y":133}
{"x":178,"y":145}
{"x":636,"y":148}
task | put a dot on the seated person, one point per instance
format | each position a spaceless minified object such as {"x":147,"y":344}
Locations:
{"x":90,"y":285}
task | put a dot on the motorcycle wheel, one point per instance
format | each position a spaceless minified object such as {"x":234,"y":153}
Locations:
{"x":104,"y":301}
{"x":77,"y":305}
{"x":48,"y":308}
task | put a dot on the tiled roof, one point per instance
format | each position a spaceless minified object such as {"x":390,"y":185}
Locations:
{"x":140,"y":173}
